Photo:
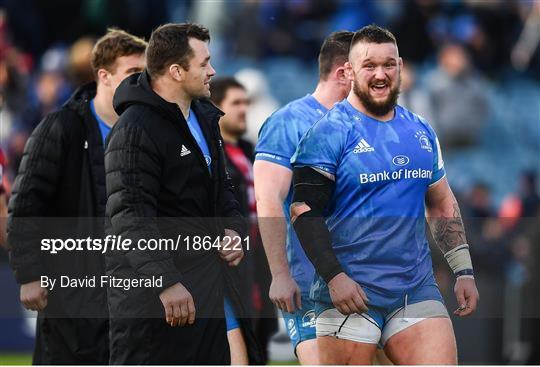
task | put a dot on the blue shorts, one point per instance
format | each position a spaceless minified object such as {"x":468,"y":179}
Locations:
{"x":300,"y":325}
{"x":230,"y":318}
{"x":387,"y":315}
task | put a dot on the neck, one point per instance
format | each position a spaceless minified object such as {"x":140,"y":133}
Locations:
{"x":104,"y":107}
{"x":169,"y":92}
{"x":357,"y":103}
{"x":328,"y":93}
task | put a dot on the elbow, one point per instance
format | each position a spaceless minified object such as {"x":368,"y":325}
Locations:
{"x":297,"y":209}
{"x":268,"y":200}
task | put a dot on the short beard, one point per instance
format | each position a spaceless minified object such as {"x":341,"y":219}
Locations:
{"x":378,"y":108}
{"x":235,"y":131}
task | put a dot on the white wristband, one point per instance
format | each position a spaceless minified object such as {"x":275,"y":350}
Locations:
{"x":459,"y":259}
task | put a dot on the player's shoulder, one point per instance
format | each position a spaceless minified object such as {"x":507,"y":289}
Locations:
{"x":339,"y":117}
{"x":294,"y":110}
{"x":414,"y":118}
{"x":287,"y":119}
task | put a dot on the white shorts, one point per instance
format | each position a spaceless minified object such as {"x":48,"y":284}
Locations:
{"x":364,"y":328}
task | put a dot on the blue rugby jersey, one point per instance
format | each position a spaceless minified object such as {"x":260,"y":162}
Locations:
{"x":376,"y":214}
{"x":278,"y":139}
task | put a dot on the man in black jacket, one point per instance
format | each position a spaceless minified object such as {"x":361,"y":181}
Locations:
{"x":62,"y":175}
{"x":166,"y":179}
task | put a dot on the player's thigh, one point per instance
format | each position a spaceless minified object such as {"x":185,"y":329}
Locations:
{"x":300,"y":327}
{"x":430,"y":341}
{"x":381,"y":359}
{"x":346,"y":339}
{"x":237,"y":345}
{"x":333,"y":351}
{"x":307,"y":352}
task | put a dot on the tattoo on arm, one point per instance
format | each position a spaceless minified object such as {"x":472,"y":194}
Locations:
{"x":448,"y":232}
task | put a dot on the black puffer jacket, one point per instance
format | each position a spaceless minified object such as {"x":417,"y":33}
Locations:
{"x":59,"y":192}
{"x":60,"y":184}
{"x":158,"y":185}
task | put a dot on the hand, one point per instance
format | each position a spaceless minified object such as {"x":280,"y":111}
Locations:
{"x":33,"y":296}
{"x":178,"y":304}
{"x":347,"y":295}
{"x":466,"y":295}
{"x":285,"y":293}
{"x":233,"y":252}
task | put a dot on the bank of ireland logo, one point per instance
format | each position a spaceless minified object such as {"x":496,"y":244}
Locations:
{"x":309,"y":320}
{"x":401,"y":160}
{"x":424,"y":140}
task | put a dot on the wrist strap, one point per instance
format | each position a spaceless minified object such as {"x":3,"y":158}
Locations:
{"x":459,"y":259}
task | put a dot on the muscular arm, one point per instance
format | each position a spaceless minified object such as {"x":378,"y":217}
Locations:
{"x":444,"y":217}
{"x":272,"y":183}
{"x":312,"y":191}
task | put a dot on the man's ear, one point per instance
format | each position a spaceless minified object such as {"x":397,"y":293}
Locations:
{"x":177,"y":72}
{"x":348,"y":71}
{"x":104,"y":77}
{"x":341,"y":74}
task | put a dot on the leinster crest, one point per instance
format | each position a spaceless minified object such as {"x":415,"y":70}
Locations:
{"x":424,"y":140}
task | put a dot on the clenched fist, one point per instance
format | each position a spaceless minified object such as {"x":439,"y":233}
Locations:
{"x":231,"y":250}
{"x":33,"y":296}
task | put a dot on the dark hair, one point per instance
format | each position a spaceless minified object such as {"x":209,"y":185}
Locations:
{"x":334,"y":51}
{"x":373,"y":34}
{"x":169,"y":44}
{"x":114,"y":44}
{"x":220,"y":86}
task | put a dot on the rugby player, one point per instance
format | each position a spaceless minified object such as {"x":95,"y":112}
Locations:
{"x":292,"y":273}
{"x":366,"y":176}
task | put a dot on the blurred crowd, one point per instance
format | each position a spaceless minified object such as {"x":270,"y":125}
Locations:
{"x":453,"y":51}
{"x":461,"y":58}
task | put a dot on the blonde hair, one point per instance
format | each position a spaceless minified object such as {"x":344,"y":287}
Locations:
{"x":114,"y":44}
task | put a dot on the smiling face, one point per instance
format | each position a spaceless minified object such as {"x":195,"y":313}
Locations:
{"x":374,"y":69}
{"x":196,"y":81}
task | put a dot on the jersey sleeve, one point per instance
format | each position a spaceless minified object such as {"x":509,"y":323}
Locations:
{"x":277,"y":141}
{"x":321,"y":147}
{"x":438,"y":163}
